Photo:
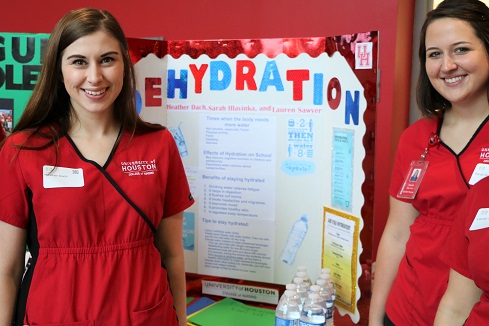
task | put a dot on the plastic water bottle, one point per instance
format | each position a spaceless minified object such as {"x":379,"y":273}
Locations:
{"x":313,"y":312}
{"x":314,"y":289}
{"x":329,"y":283}
{"x":329,"y":313}
{"x":296,"y":297}
{"x":305,"y":277}
{"x":303,"y":273}
{"x":325,"y":290}
{"x":326,"y":300}
{"x":325,"y":271}
{"x":294,"y":241}
{"x":302,"y":288}
{"x":288,"y":311}
{"x":325,"y":294}
{"x":291,"y":286}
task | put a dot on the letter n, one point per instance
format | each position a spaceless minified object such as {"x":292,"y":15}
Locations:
{"x":352,"y":108}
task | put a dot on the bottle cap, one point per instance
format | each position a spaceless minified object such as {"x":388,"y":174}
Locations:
{"x":301,"y":268}
{"x":289,"y":293}
{"x":321,"y":281}
{"x":325,"y":276}
{"x":298,"y":280}
{"x":291,"y":286}
{"x":315,"y":288}
{"x":313,"y":296}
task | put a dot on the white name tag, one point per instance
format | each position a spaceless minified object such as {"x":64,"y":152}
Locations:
{"x":58,"y":177}
{"x":481,"y":220}
{"x":480,"y":172}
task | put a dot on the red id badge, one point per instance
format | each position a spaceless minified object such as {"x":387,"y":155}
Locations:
{"x":413,"y":179}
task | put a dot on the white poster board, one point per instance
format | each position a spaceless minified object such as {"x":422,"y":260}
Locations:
{"x":268,"y":142}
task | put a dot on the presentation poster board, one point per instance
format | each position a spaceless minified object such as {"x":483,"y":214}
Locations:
{"x":272,"y":134}
{"x":20,"y":64}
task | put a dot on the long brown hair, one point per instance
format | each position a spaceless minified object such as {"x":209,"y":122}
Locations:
{"x":48,"y":113}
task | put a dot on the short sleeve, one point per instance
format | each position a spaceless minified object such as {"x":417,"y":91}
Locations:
{"x":402,"y":160}
{"x":397,"y":175}
{"x":14,"y":207}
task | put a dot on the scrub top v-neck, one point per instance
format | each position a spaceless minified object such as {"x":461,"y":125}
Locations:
{"x":95,"y":262}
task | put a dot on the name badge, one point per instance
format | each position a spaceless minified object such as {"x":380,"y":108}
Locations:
{"x":413,"y":179}
{"x":481,"y":220}
{"x":59,"y":177}
{"x":480,"y":172}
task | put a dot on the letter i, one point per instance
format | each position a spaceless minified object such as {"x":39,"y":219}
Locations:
{"x":318,"y":89}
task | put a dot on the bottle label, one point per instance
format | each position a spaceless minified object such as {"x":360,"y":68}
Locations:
{"x":330,"y":310}
{"x":307,"y":323}
{"x":284,"y":322}
{"x":329,"y":314}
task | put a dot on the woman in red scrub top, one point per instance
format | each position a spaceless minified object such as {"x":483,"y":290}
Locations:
{"x":466,"y":300}
{"x":97,"y":194}
{"x":449,"y":146}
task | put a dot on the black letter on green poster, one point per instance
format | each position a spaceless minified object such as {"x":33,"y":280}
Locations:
{"x":31,"y":49}
{"x":2,"y":48}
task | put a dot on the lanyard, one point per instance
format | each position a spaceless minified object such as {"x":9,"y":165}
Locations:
{"x":433,"y":141}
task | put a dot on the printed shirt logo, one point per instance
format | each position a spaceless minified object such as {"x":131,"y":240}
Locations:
{"x":133,"y":168}
{"x":484,"y":155}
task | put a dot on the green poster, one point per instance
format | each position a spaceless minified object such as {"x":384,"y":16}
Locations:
{"x":20,"y":64}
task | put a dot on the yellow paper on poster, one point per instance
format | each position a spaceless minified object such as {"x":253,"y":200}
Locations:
{"x":340,"y":254}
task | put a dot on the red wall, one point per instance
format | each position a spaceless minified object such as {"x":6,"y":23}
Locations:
{"x":224,"y":19}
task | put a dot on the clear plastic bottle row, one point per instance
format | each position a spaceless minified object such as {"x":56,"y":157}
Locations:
{"x":307,"y":304}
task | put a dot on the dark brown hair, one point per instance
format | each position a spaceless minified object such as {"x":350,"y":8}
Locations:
{"x":476,"y":14}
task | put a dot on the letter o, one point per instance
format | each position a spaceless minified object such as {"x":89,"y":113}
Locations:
{"x":334,"y":101}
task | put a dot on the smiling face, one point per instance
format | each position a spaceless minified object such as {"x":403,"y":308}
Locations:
{"x":92,"y":69}
{"x":457,"y":63}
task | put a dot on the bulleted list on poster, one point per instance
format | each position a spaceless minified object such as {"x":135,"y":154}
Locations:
{"x":237,"y":201}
